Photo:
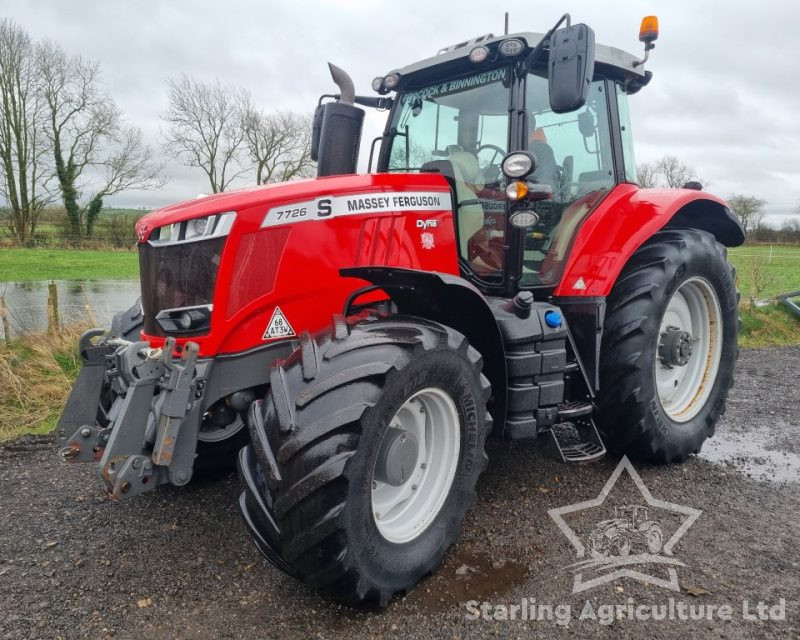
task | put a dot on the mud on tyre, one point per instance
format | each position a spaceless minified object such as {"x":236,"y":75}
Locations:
{"x":329,"y":439}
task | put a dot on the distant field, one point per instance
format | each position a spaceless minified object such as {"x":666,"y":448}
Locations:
{"x":67,"y":264}
{"x":781,"y":265}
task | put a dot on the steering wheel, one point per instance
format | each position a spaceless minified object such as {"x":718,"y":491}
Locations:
{"x":491,"y":172}
{"x":493,"y":147}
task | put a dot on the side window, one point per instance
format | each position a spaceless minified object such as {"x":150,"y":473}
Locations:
{"x":573,"y":152}
{"x":573,"y":149}
{"x":627,"y":135}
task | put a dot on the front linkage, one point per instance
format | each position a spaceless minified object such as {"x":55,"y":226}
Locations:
{"x":136,"y":410}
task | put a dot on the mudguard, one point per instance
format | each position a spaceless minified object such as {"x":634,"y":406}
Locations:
{"x":625,"y":220}
{"x":455,"y":302}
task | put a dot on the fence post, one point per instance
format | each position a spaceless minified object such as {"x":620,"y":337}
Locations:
{"x":89,"y":310}
{"x":53,"y":324}
{"x":4,"y":318}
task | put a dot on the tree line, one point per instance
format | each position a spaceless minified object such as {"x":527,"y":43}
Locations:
{"x":671,"y":172}
{"x":64,"y":140}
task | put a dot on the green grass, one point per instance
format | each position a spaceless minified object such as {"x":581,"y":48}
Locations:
{"x":67,"y":264}
{"x":782,"y":269}
{"x":771,"y":326}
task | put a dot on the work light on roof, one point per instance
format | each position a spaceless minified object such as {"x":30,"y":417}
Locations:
{"x":511,"y":47}
{"x":391,"y":81}
{"x":478,"y":54}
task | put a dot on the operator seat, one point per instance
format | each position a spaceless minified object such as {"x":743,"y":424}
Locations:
{"x":546,"y":168}
{"x":468,"y":182}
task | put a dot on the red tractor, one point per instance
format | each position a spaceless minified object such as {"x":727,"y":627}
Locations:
{"x":352,"y":340}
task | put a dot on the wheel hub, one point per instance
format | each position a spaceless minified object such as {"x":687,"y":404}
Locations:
{"x":416,"y":464}
{"x":675,"y":347}
{"x":397,"y":458}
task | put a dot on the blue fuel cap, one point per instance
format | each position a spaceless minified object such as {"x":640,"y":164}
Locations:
{"x":552,"y":319}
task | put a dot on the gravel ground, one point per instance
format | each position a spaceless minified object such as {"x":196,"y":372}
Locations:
{"x":178,"y":563}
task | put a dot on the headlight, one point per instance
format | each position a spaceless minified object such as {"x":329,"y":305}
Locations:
{"x":518,"y":164}
{"x":524,"y":219}
{"x":192,"y":230}
{"x":377,"y":84}
{"x":196,"y":227}
{"x":185,"y":319}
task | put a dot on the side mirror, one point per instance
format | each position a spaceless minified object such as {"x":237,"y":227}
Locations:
{"x":570,"y":67}
{"x":586,"y":124}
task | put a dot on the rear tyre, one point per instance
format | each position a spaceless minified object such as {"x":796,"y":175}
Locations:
{"x":365,"y":454}
{"x":669,"y":347}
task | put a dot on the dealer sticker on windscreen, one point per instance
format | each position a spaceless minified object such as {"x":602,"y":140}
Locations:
{"x":326,"y":207}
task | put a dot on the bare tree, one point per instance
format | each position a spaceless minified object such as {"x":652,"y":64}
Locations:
{"x":748,"y":209}
{"x":24,"y":177}
{"x":279,"y":145}
{"x":668,"y":171}
{"x":646,"y":175}
{"x":674,"y":171}
{"x":206,"y":128}
{"x":96,"y":154}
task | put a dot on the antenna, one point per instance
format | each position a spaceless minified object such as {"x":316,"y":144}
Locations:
{"x":506,"y":32}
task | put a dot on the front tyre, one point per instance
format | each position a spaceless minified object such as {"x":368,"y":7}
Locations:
{"x":669,"y":347}
{"x":365,"y":455}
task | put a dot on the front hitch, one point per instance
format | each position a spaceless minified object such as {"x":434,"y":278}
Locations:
{"x":136,"y":410}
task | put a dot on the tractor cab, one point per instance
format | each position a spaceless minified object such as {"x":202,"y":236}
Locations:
{"x":528,"y":152}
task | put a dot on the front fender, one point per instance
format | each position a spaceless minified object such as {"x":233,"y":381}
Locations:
{"x":453,"y":301}
{"x":625,"y":220}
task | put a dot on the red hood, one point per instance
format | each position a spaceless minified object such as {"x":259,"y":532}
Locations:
{"x":283,"y":192}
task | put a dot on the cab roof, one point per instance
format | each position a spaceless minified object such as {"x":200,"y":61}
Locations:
{"x":609,"y":61}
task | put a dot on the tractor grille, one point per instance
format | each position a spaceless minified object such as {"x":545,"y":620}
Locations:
{"x":177,"y":275}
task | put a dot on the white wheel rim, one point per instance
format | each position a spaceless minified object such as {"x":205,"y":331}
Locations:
{"x":401,"y":513}
{"x":684,"y":390}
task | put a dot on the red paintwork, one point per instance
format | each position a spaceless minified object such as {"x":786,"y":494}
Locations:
{"x":619,"y":224}
{"x":296,"y":266}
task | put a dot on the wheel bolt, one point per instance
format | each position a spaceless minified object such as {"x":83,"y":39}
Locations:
{"x":86,"y":432}
{"x":374,"y":485}
{"x":377,"y":516}
{"x":424,"y":465}
{"x":413,"y":487}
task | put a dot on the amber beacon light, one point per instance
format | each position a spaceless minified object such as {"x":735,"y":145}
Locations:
{"x":648,"y":32}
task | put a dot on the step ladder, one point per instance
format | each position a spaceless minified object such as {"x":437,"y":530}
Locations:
{"x":576,"y":436}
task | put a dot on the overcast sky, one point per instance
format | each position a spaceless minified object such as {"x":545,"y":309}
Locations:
{"x":724,"y":96}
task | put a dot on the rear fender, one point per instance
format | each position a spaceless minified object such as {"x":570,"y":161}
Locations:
{"x":454,"y":302}
{"x":625,"y":220}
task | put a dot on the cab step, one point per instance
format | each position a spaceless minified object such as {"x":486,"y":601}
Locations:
{"x":574,"y":410}
{"x":578,"y":441}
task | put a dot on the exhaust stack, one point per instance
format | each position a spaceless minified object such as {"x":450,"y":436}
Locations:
{"x":347,"y":91}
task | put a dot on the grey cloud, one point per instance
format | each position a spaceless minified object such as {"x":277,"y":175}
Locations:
{"x":724,"y":96}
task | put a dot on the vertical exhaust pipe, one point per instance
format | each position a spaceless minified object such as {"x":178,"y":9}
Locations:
{"x":336,"y":132}
{"x":347,"y":91}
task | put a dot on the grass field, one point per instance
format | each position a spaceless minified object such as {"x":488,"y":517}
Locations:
{"x":781,"y":265}
{"x":67,"y":264}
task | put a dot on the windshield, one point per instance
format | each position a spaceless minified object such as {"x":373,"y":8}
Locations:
{"x":460,"y":128}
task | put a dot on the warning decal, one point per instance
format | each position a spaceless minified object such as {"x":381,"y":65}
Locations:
{"x":278,"y":326}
